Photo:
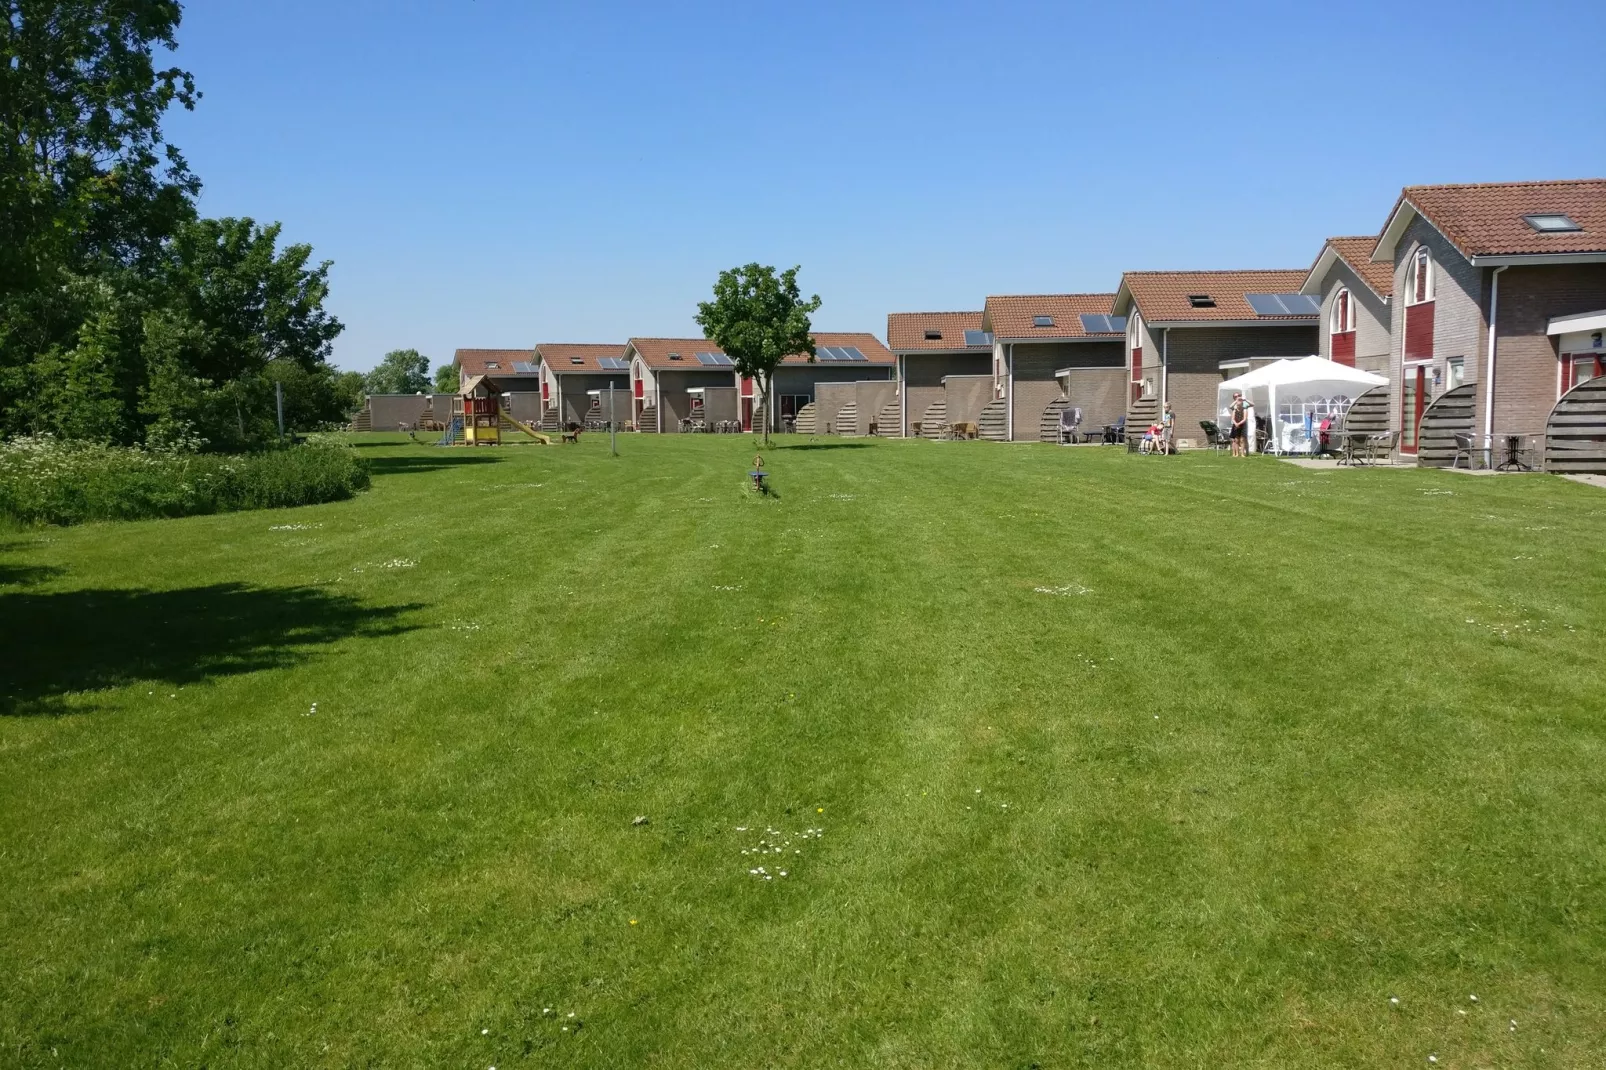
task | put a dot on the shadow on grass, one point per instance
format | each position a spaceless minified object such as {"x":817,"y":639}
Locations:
{"x":89,"y":640}
{"x":392,"y":466}
{"x":27,"y":575}
{"x":827,"y":446}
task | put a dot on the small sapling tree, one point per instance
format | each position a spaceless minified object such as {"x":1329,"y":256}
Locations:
{"x":758,"y":318}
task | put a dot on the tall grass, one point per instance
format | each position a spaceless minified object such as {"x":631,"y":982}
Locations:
{"x":48,"y":481}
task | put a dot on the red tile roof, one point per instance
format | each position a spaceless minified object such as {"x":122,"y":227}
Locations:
{"x":1357,"y":253}
{"x":1487,"y":219}
{"x":906,"y":331}
{"x":578,"y":357}
{"x":1010,"y":315}
{"x":863,"y":341}
{"x":655,"y":352}
{"x":1162,"y":296}
{"x":479,"y":361}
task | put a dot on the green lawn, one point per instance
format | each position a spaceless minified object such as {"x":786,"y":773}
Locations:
{"x":1116,"y":761}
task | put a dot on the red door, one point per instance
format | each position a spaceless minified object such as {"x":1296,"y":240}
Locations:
{"x":1413,"y":402}
{"x":1137,"y":373}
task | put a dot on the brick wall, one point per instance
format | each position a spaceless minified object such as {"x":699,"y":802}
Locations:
{"x":1035,"y":383}
{"x":388,"y":411}
{"x":1371,"y":319}
{"x":1460,"y":297}
{"x":676,"y":402}
{"x":1101,"y":393}
{"x":1194,"y":361}
{"x":1526,"y":370}
{"x":923,"y":375}
{"x":967,"y":395}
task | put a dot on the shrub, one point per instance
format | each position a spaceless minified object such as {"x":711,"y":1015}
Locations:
{"x":48,"y":481}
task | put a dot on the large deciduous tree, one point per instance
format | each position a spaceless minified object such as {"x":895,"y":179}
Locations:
{"x":123,"y":317}
{"x":85,"y":172}
{"x":759,"y":318}
{"x":402,"y":371}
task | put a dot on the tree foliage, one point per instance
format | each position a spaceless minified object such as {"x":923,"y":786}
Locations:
{"x":758,"y":318}
{"x":124,"y":318}
{"x":402,"y":371}
{"x":448,"y":379}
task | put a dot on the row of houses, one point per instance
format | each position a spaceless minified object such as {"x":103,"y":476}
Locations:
{"x":1496,"y":292}
{"x":674,"y":385}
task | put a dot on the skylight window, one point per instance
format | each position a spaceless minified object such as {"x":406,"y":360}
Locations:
{"x":1042,"y":321}
{"x":1551,"y":222}
{"x":492,"y":365}
{"x":1201,"y":301}
{"x":577,"y":360}
{"x":933,"y":335}
{"x":674,"y":356}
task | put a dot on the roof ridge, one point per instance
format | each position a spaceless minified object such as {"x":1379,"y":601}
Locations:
{"x":1506,"y":185}
{"x":1218,"y":271}
{"x":942,"y":312}
{"x":1097,"y":293}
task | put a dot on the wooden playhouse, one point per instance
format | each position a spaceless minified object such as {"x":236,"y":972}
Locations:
{"x":479,"y":407}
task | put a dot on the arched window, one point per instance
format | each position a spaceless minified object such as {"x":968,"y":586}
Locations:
{"x":1419,"y":279}
{"x":1343,"y":312}
{"x":1134,"y":331}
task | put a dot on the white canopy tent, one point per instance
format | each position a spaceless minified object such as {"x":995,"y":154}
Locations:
{"x":1295,"y":394}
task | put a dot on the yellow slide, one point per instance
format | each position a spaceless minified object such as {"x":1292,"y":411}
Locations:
{"x":520,"y":425}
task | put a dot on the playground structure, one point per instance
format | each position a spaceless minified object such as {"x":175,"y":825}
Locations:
{"x":478,"y":418}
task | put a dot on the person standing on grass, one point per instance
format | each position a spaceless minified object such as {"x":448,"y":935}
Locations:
{"x":1168,"y":430}
{"x":1238,"y":421}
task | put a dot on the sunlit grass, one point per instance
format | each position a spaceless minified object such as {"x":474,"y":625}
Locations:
{"x":1071,"y":758}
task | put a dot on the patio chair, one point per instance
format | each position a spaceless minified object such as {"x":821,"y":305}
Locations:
{"x":1070,"y":425}
{"x":1381,"y":446}
{"x":1115,"y":434}
{"x":1215,"y":437}
{"x":1463,"y":448}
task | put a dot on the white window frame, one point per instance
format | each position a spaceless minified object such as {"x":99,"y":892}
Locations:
{"x":1134,"y":334}
{"x":1420,"y":258}
{"x":1343,"y":301}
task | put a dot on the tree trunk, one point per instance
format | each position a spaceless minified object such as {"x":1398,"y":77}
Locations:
{"x":769,"y":401}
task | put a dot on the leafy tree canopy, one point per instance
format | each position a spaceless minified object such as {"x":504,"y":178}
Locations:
{"x":123,"y":316}
{"x":447,"y":379}
{"x":758,"y":318}
{"x":85,"y":173}
{"x":402,"y":371}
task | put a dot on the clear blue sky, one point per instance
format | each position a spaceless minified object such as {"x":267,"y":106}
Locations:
{"x":501,"y":173}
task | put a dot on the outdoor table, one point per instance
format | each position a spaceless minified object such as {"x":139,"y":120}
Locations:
{"x":1354,"y":448}
{"x":1513,"y":461}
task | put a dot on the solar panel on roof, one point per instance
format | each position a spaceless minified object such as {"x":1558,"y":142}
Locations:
{"x":978,"y":338}
{"x":826,"y":353}
{"x":1283,"y":304}
{"x":851,"y":353}
{"x":1096,"y":323}
{"x":523,"y":367}
{"x":715,"y":360}
{"x":613,"y":364}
